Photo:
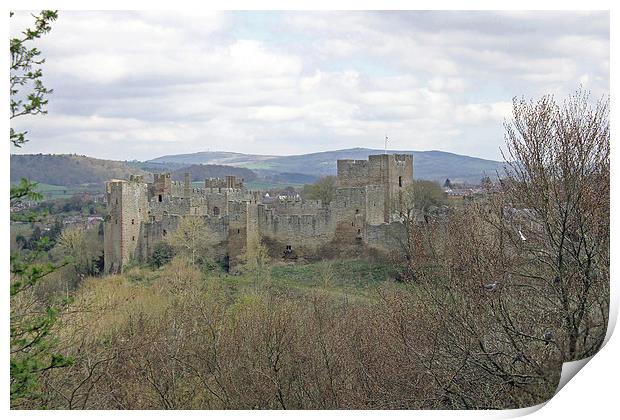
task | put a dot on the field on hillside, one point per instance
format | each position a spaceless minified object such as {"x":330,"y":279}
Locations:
{"x":59,"y":191}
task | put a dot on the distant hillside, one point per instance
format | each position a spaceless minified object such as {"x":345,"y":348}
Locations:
{"x":156,"y":167}
{"x":201,"y":172}
{"x":292,"y":178}
{"x":68,"y":170}
{"x":433,"y":165}
{"x":213,"y":158}
{"x":72,"y":170}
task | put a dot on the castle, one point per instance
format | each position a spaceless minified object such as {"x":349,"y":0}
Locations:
{"x":364,"y":214}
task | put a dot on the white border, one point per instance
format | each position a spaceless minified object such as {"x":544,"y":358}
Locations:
{"x":592,"y":394}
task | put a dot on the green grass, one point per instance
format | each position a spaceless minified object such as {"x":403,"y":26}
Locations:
{"x":259,"y":165}
{"x":342,"y":277}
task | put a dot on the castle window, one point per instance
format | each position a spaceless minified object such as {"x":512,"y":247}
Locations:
{"x":117,"y":201}
{"x":133,"y":221}
{"x":160,"y":198}
{"x":133,"y":238}
{"x":289,"y":248}
{"x":352,"y":224}
{"x":238,"y":231}
{"x":357,"y":211}
{"x":216,"y":211}
{"x":359,"y":231}
{"x":400,"y":181}
{"x":164,"y":232}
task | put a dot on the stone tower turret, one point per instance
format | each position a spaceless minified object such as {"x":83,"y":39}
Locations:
{"x":187,"y":185}
{"x":162,"y":186}
{"x":394,"y":173}
{"x":388,"y":175}
{"x":127,"y":209}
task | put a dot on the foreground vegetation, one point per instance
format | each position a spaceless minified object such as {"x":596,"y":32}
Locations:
{"x":179,"y":338}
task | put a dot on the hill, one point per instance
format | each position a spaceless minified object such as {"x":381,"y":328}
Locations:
{"x":213,"y":158}
{"x":260,"y":171}
{"x":432,"y":165}
{"x":68,"y":170}
{"x":60,"y":171}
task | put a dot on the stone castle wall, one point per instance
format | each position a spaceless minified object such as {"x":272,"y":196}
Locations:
{"x":159,"y":230}
{"x":295,"y":230}
{"x":360,"y":215}
{"x":352,"y":173}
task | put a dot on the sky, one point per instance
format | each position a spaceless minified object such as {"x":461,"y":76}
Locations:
{"x":138,"y":85}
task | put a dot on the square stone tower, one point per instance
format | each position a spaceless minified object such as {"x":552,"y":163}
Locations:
{"x":162,"y":186}
{"x":393,"y":172}
{"x":388,"y":175}
{"x":127,"y":209}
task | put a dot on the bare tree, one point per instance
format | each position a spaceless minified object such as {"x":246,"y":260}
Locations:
{"x":255,"y":260}
{"x":413,"y":206}
{"x":558,"y":185}
{"x":192,"y":239}
{"x":323,"y":189}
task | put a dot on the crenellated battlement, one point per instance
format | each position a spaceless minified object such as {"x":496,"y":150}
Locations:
{"x":141,"y":214}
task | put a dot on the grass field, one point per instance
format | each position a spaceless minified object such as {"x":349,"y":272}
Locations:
{"x":353,"y":278}
{"x":350,"y":278}
{"x":58,"y":191}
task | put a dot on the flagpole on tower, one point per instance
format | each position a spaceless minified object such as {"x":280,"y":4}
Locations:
{"x":386,"y":140}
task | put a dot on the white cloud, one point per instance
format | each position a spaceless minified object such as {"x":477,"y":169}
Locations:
{"x":142,"y":84}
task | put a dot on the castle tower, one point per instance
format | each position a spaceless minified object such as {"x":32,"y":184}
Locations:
{"x":237,"y":231}
{"x":127,"y":209}
{"x":187,"y":185}
{"x":162,"y":186}
{"x":394,"y":173}
{"x":385,"y":178}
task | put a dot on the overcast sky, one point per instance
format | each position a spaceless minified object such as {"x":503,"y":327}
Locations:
{"x":139,"y":85}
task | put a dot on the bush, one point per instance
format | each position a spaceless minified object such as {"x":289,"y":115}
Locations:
{"x":162,"y":254}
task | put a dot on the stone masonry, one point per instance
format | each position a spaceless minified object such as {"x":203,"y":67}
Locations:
{"x":363,"y":214}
